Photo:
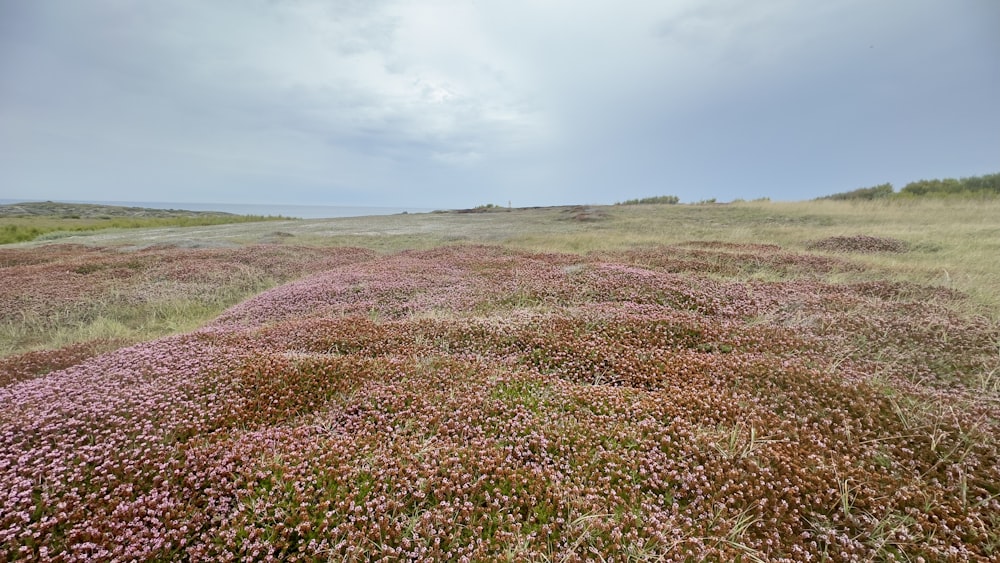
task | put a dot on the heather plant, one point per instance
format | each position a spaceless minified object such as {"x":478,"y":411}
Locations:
{"x":481,"y":403}
{"x":40,"y":362}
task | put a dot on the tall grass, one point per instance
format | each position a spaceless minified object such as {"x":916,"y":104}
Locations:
{"x":952,"y":243}
{"x":111,"y":317}
{"x":52,"y":296}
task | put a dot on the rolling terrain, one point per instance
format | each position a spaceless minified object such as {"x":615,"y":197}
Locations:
{"x":759,"y":382}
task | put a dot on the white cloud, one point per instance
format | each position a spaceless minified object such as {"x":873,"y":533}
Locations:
{"x":459,"y":158}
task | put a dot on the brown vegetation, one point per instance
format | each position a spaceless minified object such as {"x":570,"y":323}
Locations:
{"x":859,"y":243}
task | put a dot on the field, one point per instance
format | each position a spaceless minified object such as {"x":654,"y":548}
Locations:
{"x":34,"y":220}
{"x":748,"y":382}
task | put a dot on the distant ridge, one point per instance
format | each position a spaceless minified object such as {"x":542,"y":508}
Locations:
{"x":95,"y":211}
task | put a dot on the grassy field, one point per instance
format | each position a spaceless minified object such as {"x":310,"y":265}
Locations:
{"x":22,"y":229}
{"x":952,"y":243}
{"x":51,"y":220}
{"x":746,"y":382}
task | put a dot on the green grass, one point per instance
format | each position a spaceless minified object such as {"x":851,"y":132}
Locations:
{"x":22,"y":229}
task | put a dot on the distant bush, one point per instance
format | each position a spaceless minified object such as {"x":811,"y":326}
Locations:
{"x":973,"y":186}
{"x":669,"y":199}
{"x":18,"y":233}
{"x":880,"y":191}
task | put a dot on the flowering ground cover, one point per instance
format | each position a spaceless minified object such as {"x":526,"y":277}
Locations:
{"x":700,"y":401}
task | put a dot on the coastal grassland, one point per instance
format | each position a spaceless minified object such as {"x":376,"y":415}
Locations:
{"x":702,"y":400}
{"x":22,"y":229}
{"x":53,"y":296}
{"x":949,"y":244}
{"x":121,"y":314}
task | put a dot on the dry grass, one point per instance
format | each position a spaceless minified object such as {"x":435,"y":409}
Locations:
{"x":54,"y":296}
{"x":952,"y":243}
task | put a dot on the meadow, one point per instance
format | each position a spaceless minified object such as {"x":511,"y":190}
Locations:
{"x":21,"y":222}
{"x":748,"y":382}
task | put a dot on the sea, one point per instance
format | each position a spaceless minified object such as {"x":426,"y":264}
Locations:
{"x":292,"y":211}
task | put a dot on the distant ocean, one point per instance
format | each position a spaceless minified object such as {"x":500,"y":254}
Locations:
{"x":297,"y":211}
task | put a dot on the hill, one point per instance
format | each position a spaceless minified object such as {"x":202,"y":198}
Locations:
{"x":95,"y":211}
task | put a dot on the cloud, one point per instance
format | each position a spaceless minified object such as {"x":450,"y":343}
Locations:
{"x":459,"y":158}
{"x":538,"y":102}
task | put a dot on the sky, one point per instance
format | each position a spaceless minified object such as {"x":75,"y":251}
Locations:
{"x":451,"y":104}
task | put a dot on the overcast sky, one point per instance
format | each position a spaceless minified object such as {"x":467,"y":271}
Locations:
{"x":460,"y":103}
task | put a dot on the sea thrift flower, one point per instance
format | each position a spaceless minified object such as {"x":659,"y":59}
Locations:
{"x":479,"y":403}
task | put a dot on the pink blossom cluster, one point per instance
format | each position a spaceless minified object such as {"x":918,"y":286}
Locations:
{"x":478,"y":403}
{"x":40,"y":362}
